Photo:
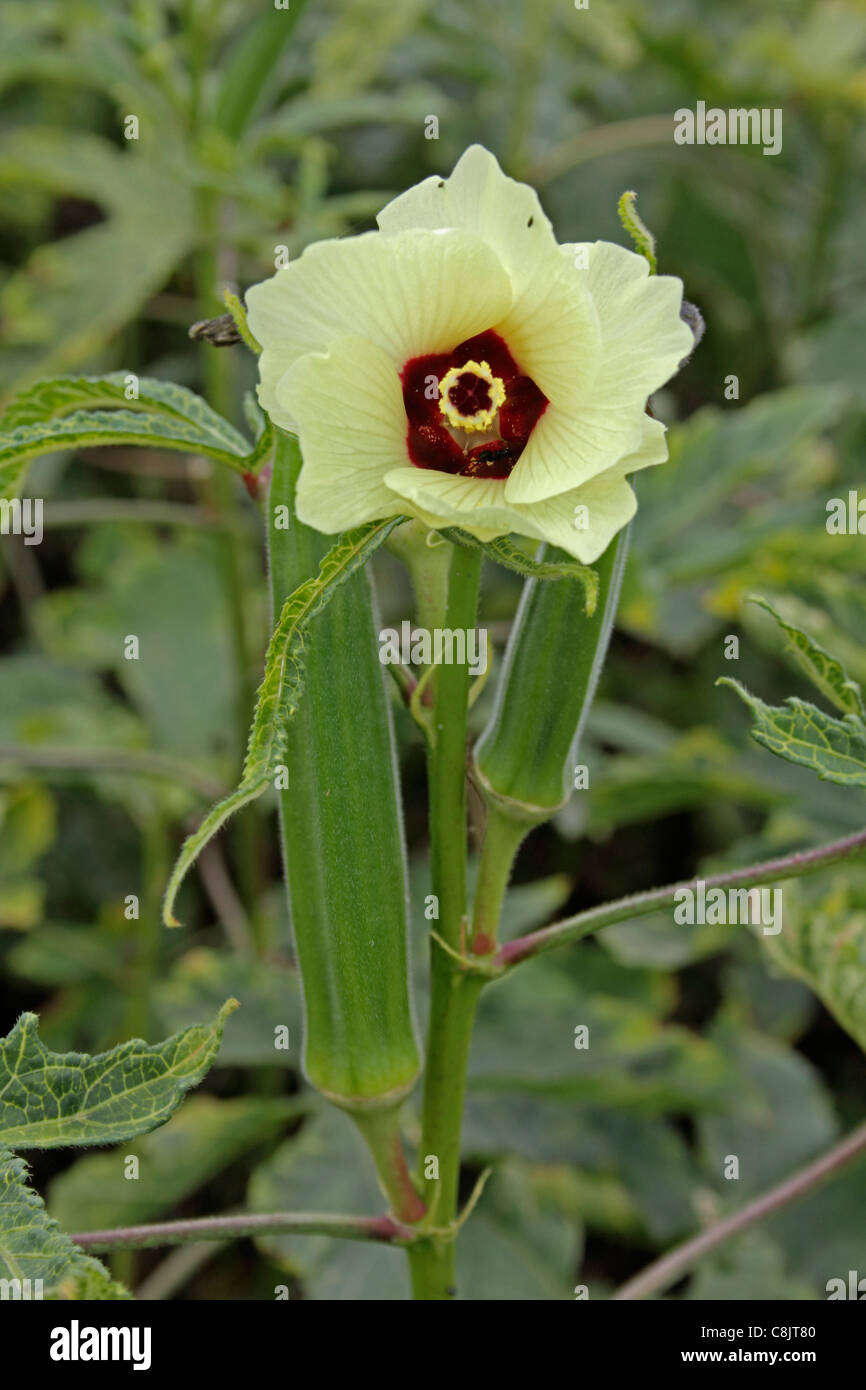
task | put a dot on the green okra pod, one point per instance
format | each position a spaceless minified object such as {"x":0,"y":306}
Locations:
{"x":342,"y":838}
{"x":524,"y":759}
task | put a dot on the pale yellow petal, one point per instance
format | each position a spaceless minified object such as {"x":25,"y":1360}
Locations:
{"x":417,"y":292}
{"x":352,"y":431}
{"x":652,"y":449}
{"x":581,"y":521}
{"x":479,"y":198}
{"x":567,"y":448}
{"x":470,"y":503}
{"x":643,"y":338}
{"x":585,"y":520}
{"x":553,"y":333}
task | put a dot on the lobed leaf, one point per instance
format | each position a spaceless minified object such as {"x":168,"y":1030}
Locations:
{"x":52,"y":1099}
{"x":33,"y":1246}
{"x":822,"y":945}
{"x":281,"y":689}
{"x":77,"y":412}
{"x":825,"y":671}
{"x":801,"y":733}
{"x":59,"y":396}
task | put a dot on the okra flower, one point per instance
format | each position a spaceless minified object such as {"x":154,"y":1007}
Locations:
{"x":460,"y":366}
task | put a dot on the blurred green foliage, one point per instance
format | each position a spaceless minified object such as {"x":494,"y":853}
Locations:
{"x":256,"y":128}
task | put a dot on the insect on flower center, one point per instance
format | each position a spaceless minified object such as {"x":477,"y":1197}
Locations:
{"x":470,"y":396}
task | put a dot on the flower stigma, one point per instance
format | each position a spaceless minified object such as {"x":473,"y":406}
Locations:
{"x":470,"y":396}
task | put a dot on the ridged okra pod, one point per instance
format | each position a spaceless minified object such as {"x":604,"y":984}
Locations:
{"x":524,"y":759}
{"x":343,"y":846}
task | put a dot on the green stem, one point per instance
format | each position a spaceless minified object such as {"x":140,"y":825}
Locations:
{"x":638,"y":904}
{"x":454,"y":994}
{"x":376,"y":1228}
{"x":448,"y":756}
{"x":381,"y":1129}
{"x":503,"y":836}
{"x":428,"y":570}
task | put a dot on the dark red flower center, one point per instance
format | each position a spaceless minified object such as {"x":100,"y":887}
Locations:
{"x":433,"y":443}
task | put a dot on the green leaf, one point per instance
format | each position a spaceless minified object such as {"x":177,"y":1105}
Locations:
{"x":515,"y":1246}
{"x":27,"y":829}
{"x":248,"y":68}
{"x":76,"y":412}
{"x":822,"y":1233}
{"x":630,"y":1057}
{"x":199,"y":1142}
{"x":834,"y":350}
{"x":33,"y":1247}
{"x":269,"y":993}
{"x":504,"y":552}
{"x":59,"y":396}
{"x":824,"y":670}
{"x":170,"y":592}
{"x":293,"y":122}
{"x":824,"y":944}
{"x":62,"y":954}
{"x":733,"y":508}
{"x":50,"y":1100}
{"x":635,"y":1172}
{"x":74,"y":293}
{"x":280,"y":689}
{"x":751,"y":1269}
{"x":657,"y":941}
{"x":784,"y":1115}
{"x":801,"y":733}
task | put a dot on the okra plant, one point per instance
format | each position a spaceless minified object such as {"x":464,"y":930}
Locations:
{"x":459,"y":388}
